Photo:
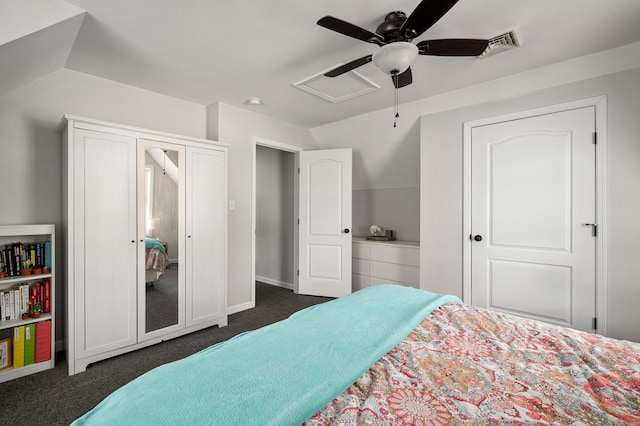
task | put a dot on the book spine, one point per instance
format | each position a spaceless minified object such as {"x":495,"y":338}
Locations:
{"x":46,"y":289}
{"x":39,"y":293}
{"x":3,"y":259}
{"x":3,"y":307}
{"x":24,"y":299}
{"x":39,"y":255}
{"x":47,"y":255}
{"x":31,"y":255}
{"x":29,"y":344}
{"x":18,"y":347}
{"x":43,"y":341}
{"x":17,"y":312}
{"x":17,"y":260}
{"x":9,"y":264}
{"x":12,"y":305}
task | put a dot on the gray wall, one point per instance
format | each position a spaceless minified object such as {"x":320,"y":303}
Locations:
{"x":239,"y":128}
{"x":274,"y":216}
{"x":386,"y":170}
{"x":391,"y":208}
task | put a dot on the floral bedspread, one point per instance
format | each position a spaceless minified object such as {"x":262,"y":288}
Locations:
{"x":156,"y":259}
{"x":466,"y":365}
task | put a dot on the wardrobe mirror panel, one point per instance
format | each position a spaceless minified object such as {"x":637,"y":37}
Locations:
{"x":161,"y":220}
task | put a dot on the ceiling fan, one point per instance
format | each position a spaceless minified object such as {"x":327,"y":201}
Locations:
{"x":394,"y":36}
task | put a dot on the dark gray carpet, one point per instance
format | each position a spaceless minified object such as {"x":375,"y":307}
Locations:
{"x":162,"y":300}
{"x":53,"y":398}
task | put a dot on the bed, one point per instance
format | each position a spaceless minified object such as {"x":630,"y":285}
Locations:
{"x":156,"y":259}
{"x":391,"y":355}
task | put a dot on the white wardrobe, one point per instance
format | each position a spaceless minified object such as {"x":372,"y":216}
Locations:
{"x":123,"y":187}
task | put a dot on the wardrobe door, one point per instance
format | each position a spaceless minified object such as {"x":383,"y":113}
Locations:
{"x":103,"y":278}
{"x":161,"y":227}
{"x":205,"y":259}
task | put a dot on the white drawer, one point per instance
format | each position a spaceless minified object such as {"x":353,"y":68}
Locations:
{"x":400,"y":255}
{"x":360,"y":251}
{"x":360,"y":266}
{"x":377,"y":281}
{"x":393,"y":272}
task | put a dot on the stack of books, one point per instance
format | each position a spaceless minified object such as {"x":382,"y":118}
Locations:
{"x":31,"y":344}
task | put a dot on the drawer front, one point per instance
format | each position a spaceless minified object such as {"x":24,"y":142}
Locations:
{"x":400,"y":255}
{"x":393,"y":272}
{"x":360,"y":251}
{"x":360,"y":266}
{"x":358,"y":282}
{"x":377,"y":281}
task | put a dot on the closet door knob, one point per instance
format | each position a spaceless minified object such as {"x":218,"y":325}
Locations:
{"x":346,"y":230}
{"x":478,"y":238}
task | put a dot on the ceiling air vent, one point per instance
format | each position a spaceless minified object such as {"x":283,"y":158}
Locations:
{"x":497,"y":44}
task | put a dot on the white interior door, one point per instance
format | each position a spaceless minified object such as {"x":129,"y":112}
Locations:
{"x":532,"y":206}
{"x":325,"y":223}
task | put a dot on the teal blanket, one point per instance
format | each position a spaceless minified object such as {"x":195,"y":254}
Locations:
{"x":152,"y":243}
{"x":281,"y":374}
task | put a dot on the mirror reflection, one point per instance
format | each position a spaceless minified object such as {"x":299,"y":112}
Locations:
{"x":161,"y":243}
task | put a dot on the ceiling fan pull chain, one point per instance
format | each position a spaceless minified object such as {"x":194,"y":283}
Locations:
{"x":395,"y":99}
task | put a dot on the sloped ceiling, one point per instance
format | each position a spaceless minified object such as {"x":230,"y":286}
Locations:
{"x":36,"y":37}
{"x":207,"y":51}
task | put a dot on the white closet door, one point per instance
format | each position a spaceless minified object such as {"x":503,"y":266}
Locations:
{"x":533,"y":196}
{"x":104,"y":242}
{"x":206,"y":242}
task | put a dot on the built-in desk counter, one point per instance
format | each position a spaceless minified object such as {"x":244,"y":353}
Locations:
{"x":380,"y":262}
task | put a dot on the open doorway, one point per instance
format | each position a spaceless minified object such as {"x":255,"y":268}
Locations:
{"x":275,"y":205}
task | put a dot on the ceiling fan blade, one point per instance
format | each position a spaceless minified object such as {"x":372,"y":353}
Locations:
{"x":348,"y":66}
{"x":351,"y":30}
{"x":403,"y":79}
{"x":427,"y":13}
{"x":453,"y":47}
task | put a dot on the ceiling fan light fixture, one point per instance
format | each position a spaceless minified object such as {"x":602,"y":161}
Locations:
{"x":395,"y":58}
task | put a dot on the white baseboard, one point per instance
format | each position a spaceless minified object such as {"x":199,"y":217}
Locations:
{"x":239,"y":308}
{"x":288,"y":286}
{"x":250,"y":305}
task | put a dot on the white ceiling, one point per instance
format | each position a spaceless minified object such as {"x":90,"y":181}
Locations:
{"x":207,"y":51}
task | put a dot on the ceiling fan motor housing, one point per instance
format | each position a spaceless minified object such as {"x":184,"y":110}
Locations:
{"x":389,"y":29}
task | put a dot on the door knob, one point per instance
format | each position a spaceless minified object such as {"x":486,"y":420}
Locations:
{"x":346,"y":230}
{"x":478,"y":238}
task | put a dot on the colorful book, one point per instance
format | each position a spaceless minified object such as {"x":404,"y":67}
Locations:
{"x":29,"y":344}
{"x":18,"y":346}
{"x":47,"y":254}
{"x":6,"y":315}
{"x":46,"y":296}
{"x":43,"y":341}
{"x":24,"y":299}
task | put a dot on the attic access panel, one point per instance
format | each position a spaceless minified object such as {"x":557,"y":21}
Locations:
{"x":335,"y":90}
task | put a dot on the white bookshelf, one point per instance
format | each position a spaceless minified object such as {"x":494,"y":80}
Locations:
{"x":28,"y":234}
